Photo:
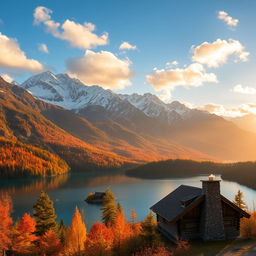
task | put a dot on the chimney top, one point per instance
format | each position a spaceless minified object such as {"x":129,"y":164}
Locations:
{"x":212,"y":178}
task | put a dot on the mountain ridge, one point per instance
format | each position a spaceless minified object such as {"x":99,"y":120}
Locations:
{"x":148,"y":117}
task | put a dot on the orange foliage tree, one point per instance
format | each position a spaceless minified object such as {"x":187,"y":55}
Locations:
{"x":24,"y":235}
{"x":99,"y":240}
{"x":5,"y":223}
{"x":50,"y":244}
{"x":248,"y":226}
{"x":76,"y":234}
{"x":122,"y":232}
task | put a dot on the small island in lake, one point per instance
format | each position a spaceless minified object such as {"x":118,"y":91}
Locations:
{"x":95,"y":198}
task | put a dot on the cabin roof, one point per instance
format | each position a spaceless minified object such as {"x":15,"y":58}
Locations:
{"x":171,"y":207}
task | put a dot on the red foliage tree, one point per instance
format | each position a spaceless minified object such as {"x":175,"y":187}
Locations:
{"x":99,"y":240}
{"x":50,"y":244}
{"x":24,"y":235}
{"x":5,"y":223}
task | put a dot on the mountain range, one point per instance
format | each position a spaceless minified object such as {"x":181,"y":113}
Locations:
{"x":90,"y":127}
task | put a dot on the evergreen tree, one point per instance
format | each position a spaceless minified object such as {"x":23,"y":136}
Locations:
{"x":239,"y":201}
{"x":109,"y":208}
{"x":133,"y":216}
{"x":119,"y":207}
{"x":149,"y":231}
{"x":62,"y":229}
{"x":76,"y":234}
{"x":109,"y":196}
{"x":44,"y":214}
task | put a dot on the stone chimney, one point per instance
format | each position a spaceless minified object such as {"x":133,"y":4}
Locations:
{"x":212,"y":225}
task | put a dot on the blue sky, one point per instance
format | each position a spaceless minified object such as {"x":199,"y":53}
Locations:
{"x":163,"y":31}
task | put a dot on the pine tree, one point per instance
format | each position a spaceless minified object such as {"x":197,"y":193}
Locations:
{"x":109,"y":196}
{"x":133,"y":216}
{"x":5,"y":223}
{"x":239,"y":201}
{"x":119,"y":207}
{"x":24,"y":235}
{"x":109,"y":208}
{"x":76,"y":234}
{"x":44,"y":214}
{"x":62,"y":229}
{"x":149,"y":231}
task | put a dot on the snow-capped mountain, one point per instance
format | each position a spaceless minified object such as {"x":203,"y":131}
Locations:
{"x":172,"y":113}
{"x":72,"y":94}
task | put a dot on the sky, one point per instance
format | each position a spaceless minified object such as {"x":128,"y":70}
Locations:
{"x":201,"y":53}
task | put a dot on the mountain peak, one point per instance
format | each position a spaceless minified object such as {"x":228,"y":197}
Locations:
{"x":177,"y":105}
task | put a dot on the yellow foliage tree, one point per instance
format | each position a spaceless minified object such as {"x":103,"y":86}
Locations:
{"x":76,"y":234}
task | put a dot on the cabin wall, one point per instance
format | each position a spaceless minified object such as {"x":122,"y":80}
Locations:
{"x":166,"y":228}
{"x":189,"y":225}
{"x":231,"y":221}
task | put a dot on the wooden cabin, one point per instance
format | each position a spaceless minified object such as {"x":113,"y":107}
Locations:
{"x":198,"y":213}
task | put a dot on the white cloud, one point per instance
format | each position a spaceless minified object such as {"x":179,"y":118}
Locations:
{"x":43,"y":48}
{"x":127,"y":46}
{"x":220,"y":110}
{"x":78,"y":35}
{"x":12,"y":57}
{"x":231,"y":22}
{"x":243,"y":89}
{"x":173,"y":63}
{"x":216,"y":53}
{"x":101,"y":68}
{"x":7,"y":78}
{"x":192,"y":76}
{"x":41,"y":14}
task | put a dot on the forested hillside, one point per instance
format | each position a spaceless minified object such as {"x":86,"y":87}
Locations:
{"x":20,"y":160}
{"x":21,"y":120}
{"x":188,"y":168}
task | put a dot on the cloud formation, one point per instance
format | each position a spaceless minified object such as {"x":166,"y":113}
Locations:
{"x":243,"y":89}
{"x":231,"y":22}
{"x":216,"y":53}
{"x":242,"y":110}
{"x":168,"y":79}
{"x":43,"y":48}
{"x":173,"y":63}
{"x":127,"y":46}
{"x":101,"y":68}
{"x":78,"y":35}
{"x":7,"y":78}
{"x":12,"y":57}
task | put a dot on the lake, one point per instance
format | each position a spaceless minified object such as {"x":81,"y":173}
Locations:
{"x":69,"y":191}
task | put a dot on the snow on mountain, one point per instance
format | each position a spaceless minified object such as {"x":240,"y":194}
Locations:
{"x":72,"y":94}
{"x":172,"y":113}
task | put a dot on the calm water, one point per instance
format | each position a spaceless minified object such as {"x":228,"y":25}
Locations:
{"x":69,"y":191}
